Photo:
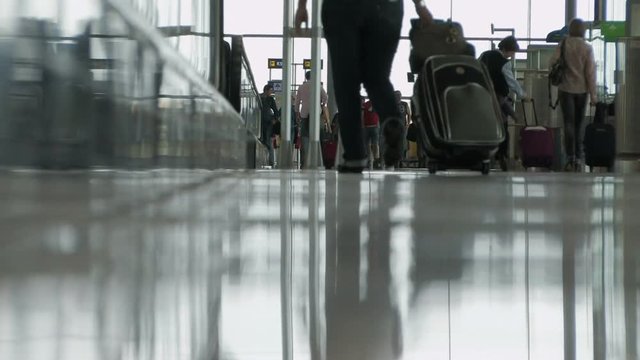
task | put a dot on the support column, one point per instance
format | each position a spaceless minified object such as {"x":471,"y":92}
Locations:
{"x":216,"y":32}
{"x":314,"y":155}
{"x":571,"y":10}
{"x":599,"y":11}
{"x":633,"y":17}
{"x":285,"y":154}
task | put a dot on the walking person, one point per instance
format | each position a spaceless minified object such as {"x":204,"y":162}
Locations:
{"x":578,"y":83}
{"x":405,"y":114}
{"x":501,"y":71}
{"x":268,"y":120}
{"x":302,"y":106}
{"x":363,"y":36}
{"x":371,"y":122}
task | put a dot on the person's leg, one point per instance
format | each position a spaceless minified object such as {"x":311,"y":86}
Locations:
{"x":375,"y":141}
{"x":367,"y":143}
{"x":381,"y":35}
{"x":503,"y":150}
{"x":263,"y":132}
{"x":580,"y":101}
{"x":342,"y":31}
{"x":304,"y":146}
{"x":568,"y":114}
{"x":268,"y":141}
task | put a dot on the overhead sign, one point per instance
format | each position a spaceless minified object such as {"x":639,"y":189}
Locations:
{"x":306,"y":64}
{"x":275,"y":63}
{"x":277,"y":85}
{"x":612,"y":30}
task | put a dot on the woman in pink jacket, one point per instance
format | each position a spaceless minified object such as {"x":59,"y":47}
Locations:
{"x":578,"y":83}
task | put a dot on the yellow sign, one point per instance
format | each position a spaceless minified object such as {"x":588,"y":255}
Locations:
{"x":306,"y":64}
{"x":275,"y":63}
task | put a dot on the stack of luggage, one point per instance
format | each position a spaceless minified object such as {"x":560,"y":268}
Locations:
{"x":458,"y":116}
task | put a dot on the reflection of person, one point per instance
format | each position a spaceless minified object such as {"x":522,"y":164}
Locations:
{"x":363,"y":36}
{"x":501,"y":72}
{"x":361,"y":326}
{"x":579,"y":80}
{"x":302,"y":107}
{"x":269,"y":118}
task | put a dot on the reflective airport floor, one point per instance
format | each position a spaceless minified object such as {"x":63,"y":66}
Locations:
{"x":312,"y":265}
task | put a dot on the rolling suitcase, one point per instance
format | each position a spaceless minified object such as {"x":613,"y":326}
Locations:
{"x":329,"y":150}
{"x":458,"y":116}
{"x":536,"y":143}
{"x":600,"y":141}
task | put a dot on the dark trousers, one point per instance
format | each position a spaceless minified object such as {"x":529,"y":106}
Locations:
{"x":573,"y":110}
{"x":506,"y":105}
{"x":362,"y":36}
{"x":266,"y":138}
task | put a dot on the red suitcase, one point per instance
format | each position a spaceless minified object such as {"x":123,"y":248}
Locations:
{"x":536,"y":143}
{"x":329,"y":149}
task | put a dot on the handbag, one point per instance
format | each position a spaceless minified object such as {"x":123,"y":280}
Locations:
{"x":556,"y":74}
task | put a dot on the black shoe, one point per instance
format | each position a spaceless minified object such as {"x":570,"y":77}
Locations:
{"x":393,"y":133}
{"x":352,"y":166}
{"x":578,"y":166}
{"x":570,"y":167}
{"x":350,"y":169}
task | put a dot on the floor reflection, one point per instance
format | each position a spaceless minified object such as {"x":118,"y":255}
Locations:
{"x":363,"y":320}
{"x":315,"y":265}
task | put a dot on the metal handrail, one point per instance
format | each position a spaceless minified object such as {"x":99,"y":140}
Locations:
{"x":404,"y":37}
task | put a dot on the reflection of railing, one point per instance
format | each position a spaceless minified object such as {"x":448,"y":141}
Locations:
{"x":243,"y":92}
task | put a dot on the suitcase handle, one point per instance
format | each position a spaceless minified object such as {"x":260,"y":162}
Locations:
{"x":535,"y":113}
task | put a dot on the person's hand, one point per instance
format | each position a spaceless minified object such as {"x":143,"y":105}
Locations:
{"x":302,"y":16}
{"x":526,"y":99}
{"x":426,"y":18}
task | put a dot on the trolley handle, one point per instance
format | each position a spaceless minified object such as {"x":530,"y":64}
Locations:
{"x":535,"y":113}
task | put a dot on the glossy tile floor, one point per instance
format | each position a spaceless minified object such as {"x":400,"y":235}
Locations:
{"x":313,"y":265}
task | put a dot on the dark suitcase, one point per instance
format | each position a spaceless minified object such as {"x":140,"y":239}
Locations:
{"x":536,"y":143}
{"x":600,"y":140}
{"x":439,"y":38}
{"x":458,"y":115}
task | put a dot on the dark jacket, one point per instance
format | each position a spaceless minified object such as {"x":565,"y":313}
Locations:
{"x":495,"y":61}
{"x":269,"y":109}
